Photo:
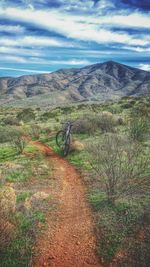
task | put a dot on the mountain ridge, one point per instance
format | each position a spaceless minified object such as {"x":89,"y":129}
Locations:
{"x":107,"y":80}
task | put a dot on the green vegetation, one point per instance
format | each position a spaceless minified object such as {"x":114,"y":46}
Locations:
{"x":14,"y":136}
{"x":115,"y":166}
{"x":26,"y":115}
{"x":139,"y":125}
{"x":7,"y":152}
{"x":116,"y":169}
{"x":19,"y":228}
{"x":19,"y":251}
{"x":21,"y":197}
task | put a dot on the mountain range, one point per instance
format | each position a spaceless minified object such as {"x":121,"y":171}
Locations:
{"x":101,"y":81}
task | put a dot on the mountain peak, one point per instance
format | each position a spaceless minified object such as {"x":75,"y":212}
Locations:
{"x":108,"y":65}
{"x":114,"y":63}
{"x":110,"y":62}
{"x":108,"y":80}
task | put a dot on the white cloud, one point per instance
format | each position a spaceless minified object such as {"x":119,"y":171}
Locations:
{"x":71,"y":62}
{"x":14,"y":59}
{"x":137,"y":49}
{"x":8,"y":42}
{"x":137,"y":20}
{"x":58,"y":62}
{"x":85,"y":28}
{"x":25,"y":70}
{"x":35,"y":41}
{"x":42,"y":61}
{"x":12,"y":28}
{"x":101,"y":52}
{"x":31,"y":7}
{"x":19,"y":51}
{"x":44,"y":41}
{"x":29,"y":4}
{"x":73,"y":5}
{"x":144,"y":67}
{"x":102,"y":4}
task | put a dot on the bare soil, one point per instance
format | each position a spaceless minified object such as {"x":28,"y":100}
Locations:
{"x":72,"y":241}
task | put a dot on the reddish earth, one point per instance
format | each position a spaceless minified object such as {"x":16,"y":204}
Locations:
{"x":72,"y":242}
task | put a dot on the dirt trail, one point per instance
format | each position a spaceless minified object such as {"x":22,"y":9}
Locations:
{"x":73,"y":242}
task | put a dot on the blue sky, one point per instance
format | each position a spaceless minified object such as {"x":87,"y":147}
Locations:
{"x":39,"y":36}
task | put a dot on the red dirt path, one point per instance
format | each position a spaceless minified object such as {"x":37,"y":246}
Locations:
{"x":73,"y":242}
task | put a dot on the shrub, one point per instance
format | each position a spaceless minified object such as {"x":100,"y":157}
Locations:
{"x":119,"y":120}
{"x":7,"y":133}
{"x":11,"y":121}
{"x":139,"y":126}
{"x":106,"y":121}
{"x":14,"y":136}
{"x":83,"y":126}
{"x":6,"y":233}
{"x":7,"y":201}
{"x":7,"y":208}
{"x":127,"y":105}
{"x":114,"y":108}
{"x":35,"y":131}
{"x":19,"y":142}
{"x":47,"y":131}
{"x":120,"y":167}
{"x":91,"y":123}
{"x":137,"y":246}
{"x":26,"y":115}
{"x":47,"y":115}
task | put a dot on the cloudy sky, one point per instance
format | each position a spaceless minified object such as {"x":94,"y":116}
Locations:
{"x":38,"y":36}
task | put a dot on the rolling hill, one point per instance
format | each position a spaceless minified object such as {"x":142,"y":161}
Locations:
{"x":102,"y":81}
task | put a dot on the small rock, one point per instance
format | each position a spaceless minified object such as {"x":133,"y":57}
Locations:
{"x":74,"y":236}
{"x":40,"y":196}
{"x":76,"y":146}
{"x":51,"y":257}
{"x":107,"y":113}
{"x":91,"y":262}
{"x":78,"y":243}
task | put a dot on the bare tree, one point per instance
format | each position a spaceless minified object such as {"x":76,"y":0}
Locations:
{"x":120,"y":167}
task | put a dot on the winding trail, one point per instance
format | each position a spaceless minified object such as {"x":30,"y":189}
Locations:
{"x":72,"y":242}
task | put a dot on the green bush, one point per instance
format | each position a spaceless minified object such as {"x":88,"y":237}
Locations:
{"x":8,"y":133}
{"x":139,"y":127}
{"x":105,"y":122}
{"x":14,"y":136}
{"x":83,"y":126}
{"x":26,"y":115}
{"x":11,"y":121}
{"x":35,"y":131}
{"x":127,"y":105}
{"x":91,"y":123}
{"x":19,"y":143}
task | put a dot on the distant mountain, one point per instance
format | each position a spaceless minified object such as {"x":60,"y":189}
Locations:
{"x":108,"y":80}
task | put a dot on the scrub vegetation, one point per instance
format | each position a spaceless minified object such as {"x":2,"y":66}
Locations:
{"x":115,"y":165}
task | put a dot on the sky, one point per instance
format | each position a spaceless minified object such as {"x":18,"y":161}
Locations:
{"x":41,"y":36}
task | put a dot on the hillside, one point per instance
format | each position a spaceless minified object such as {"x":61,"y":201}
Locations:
{"x":108,"y":80}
